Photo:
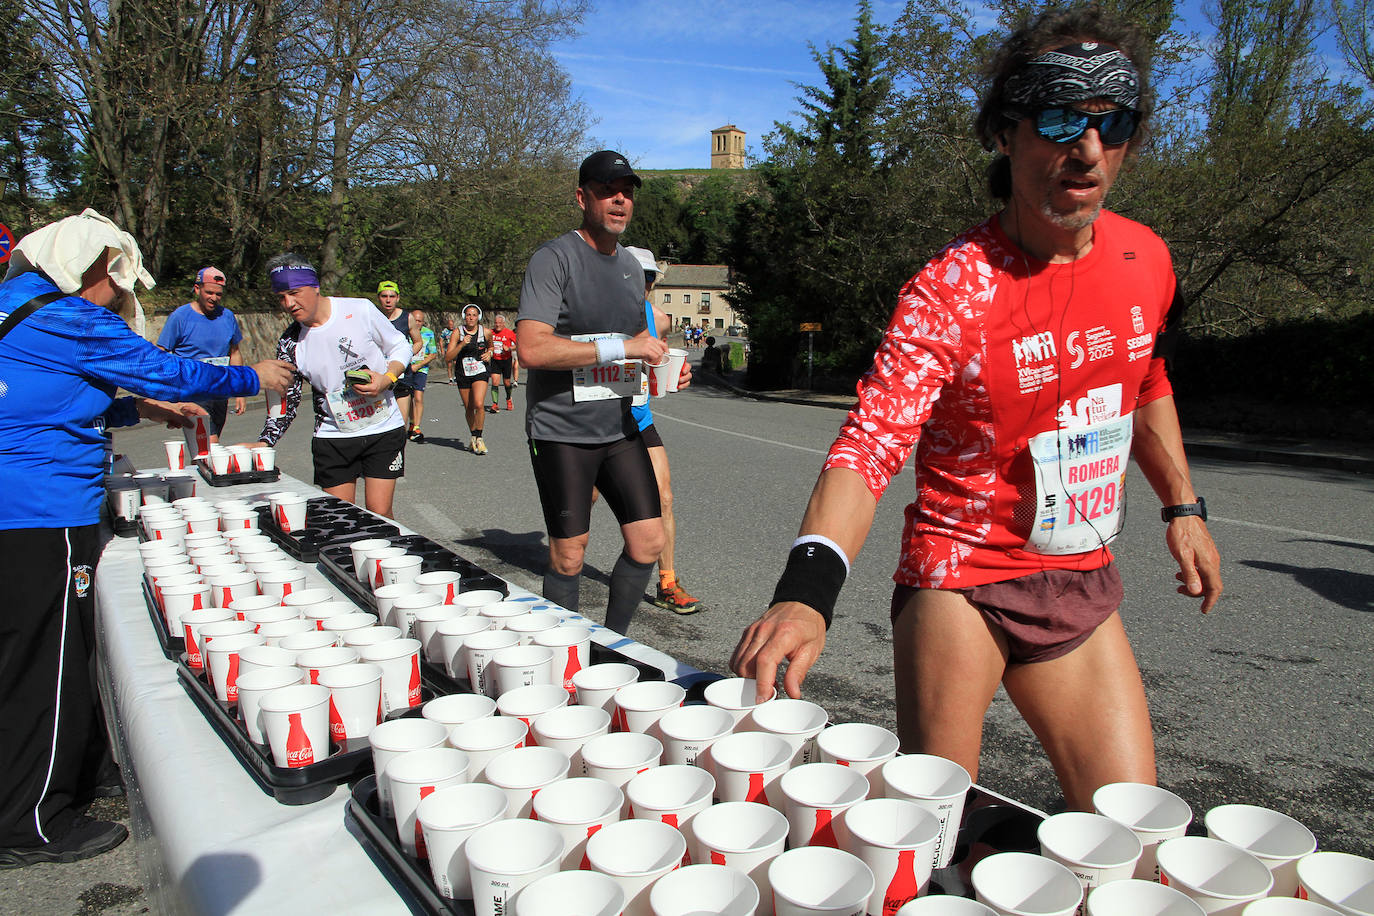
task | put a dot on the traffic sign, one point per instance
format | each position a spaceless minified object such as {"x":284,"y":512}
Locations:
{"x":810,"y":326}
{"x":6,"y":243}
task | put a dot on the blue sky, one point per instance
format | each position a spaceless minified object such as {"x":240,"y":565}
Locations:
{"x":658,"y":76}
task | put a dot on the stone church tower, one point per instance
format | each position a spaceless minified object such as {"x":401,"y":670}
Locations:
{"x":727,"y":147}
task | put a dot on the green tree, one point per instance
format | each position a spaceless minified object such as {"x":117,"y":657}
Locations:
{"x":658,"y":223}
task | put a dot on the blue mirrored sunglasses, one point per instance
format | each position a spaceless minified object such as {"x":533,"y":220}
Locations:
{"x":1066,"y":125}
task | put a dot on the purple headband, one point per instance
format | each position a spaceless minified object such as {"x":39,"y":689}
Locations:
{"x":292,"y":276}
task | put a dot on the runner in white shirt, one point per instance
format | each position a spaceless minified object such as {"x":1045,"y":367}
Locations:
{"x":359,"y":430}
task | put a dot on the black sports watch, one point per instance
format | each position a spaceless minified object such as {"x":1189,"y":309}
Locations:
{"x":1199,"y":508}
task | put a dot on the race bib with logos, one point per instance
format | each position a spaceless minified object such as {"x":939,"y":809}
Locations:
{"x":216,"y":360}
{"x":623,"y":378}
{"x":1080,"y":475}
{"x":355,"y":413}
{"x":473,"y":366}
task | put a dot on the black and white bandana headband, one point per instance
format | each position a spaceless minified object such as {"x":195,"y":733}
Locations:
{"x":1075,"y":73}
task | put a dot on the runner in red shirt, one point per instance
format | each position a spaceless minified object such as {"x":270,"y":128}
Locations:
{"x":1024,"y":365}
{"x":503,"y":363}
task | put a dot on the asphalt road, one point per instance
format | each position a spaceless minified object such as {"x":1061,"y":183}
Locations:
{"x":1266,"y":700}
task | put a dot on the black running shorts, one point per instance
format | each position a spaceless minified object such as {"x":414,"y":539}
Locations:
{"x":565,"y":473}
{"x":381,"y":456}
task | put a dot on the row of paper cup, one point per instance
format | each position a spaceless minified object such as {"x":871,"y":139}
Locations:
{"x":129,"y":493}
{"x":223,"y":459}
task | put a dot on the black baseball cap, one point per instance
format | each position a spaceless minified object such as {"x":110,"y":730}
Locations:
{"x":606,"y":166}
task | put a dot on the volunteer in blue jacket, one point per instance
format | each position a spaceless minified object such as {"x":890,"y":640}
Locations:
{"x":63,"y":353}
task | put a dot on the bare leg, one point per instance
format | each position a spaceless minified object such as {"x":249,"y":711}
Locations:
{"x":659,"y":458}
{"x":404,"y":404}
{"x":947,"y":664}
{"x":379,"y":494}
{"x":1088,"y":709}
{"x":348,"y":492}
{"x":475,"y":401}
{"x":419,"y":410}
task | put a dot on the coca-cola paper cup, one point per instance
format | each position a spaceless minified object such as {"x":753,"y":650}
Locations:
{"x":815,"y":795}
{"x":406,"y":608}
{"x":572,"y":893}
{"x":499,"y":612}
{"x":818,"y":879}
{"x":531,"y":625}
{"x":394,"y":738}
{"x":355,"y":697}
{"x":578,"y":808}
{"x":458,"y":708}
{"x":744,"y":836}
{"x":688,"y":732}
{"x":797,"y":722}
{"x":443,"y":583}
{"x":485,"y":739}
{"x":340,"y":624}
{"x":1134,"y":897}
{"x":694,"y":889}
{"x":568,"y":728}
{"x":178,"y":599}
{"x":1222,"y":878}
{"x":369,"y":636}
{"x":280,"y":583}
{"x":222,"y":662}
{"x":1339,"y":880}
{"x":359,"y":549}
{"x":621,"y":756}
{"x":386,"y":598}
{"x":523,"y":666}
{"x":448,"y":817}
{"x":452,"y":635}
{"x":414,"y":775}
{"x":313,"y":661}
{"x":256,"y":658}
{"x":1024,"y":884}
{"x":252,"y":687}
{"x":597,"y":685}
{"x":638,"y":707}
{"x":400,"y":664}
{"x":572,"y":651}
{"x":197,"y":437}
{"x":505,"y":857}
{"x":896,"y":840}
{"x":260,"y":609}
{"x":523,"y":773}
{"x":736,"y":695}
{"x":748,"y":766}
{"x":264,"y":458}
{"x":530,"y":703}
{"x":289,"y":512}
{"x":673,"y":795}
{"x":1274,"y":838}
{"x":219,"y":460}
{"x":636,"y":853}
{"x":1096,"y":849}
{"x":296,"y":720}
{"x":176,"y":454}
{"x":1153,"y":814}
{"x":298,"y":634}
{"x":371,"y":566}
{"x":333,"y":609}
{"x":232,"y":588}
{"x":425,"y":625}
{"x":404,"y":568}
{"x":676,"y":357}
{"x":191,"y":622}
{"x":180,"y":484}
{"x":935,"y":784}
{"x":276,"y":408}
{"x":478,"y":598}
{"x":479,"y":648}
{"x":861,"y":746}
{"x":945,"y":905}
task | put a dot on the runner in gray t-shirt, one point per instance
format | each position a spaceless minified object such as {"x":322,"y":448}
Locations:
{"x":581,"y":315}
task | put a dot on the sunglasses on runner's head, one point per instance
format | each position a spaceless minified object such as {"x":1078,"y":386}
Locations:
{"x":1066,"y":124}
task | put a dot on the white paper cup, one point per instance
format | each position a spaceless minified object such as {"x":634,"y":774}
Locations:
{"x":639,"y":706}
{"x":392,"y":739}
{"x":523,"y":666}
{"x":252,"y":687}
{"x":530,"y":703}
{"x":506,"y":856}
{"x":395,"y":570}
{"x":896,"y":840}
{"x":1097,"y":849}
{"x":673,"y":795}
{"x":191,"y":622}
{"x":676,"y":357}
{"x":523,"y":772}
{"x":742,"y":835}
{"x":737,"y":695}
{"x":219,"y":461}
{"x":371,"y":559}
{"x":289,"y":512}
{"x":238,"y":520}
{"x":452,"y":635}
{"x":458,"y":708}
{"x":176,"y":454}
{"x":485,"y":739}
{"x":369,"y":636}
{"x":478,"y":598}
{"x":413,"y":775}
{"x":636,"y":853}
{"x":860,"y":745}
{"x":748,"y":766}
{"x":443,"y":583}
{"x":222,"y":661}
{"x":1287,"y":906}
{"x":197,"y":437}
{"x":815,"y":795}
{"x":258,"y":658}
{"x":263,"y":458}
{"x":657,"y":376}
{"x":1222,"y":878}
{"x":305,"y":636}
{"x":1135,"y":897}
{"x":572,"y":893}
{"x":256,"y":609}
{"x":345,"y":623}
{"x":229,"y":589}
{"x":306,"y":596}
{"x":448,"y":817}
{"x":424,"y":622}
{"x":621,"y":756}
{"x":180,"y":485}
{"x":945,"y":905}
{"x":241,"y":459}
{"x":568,"y":728}
{"x":572,"y":651}
{"x":697,"y":889}
{"x":530,"y":625}
{"x":688,"y":732}
{"x":1153,"y":814}
{"x":296,"y":720}
{"x":1023,"y":884}
{"x":498,"y":612}
{"x":577,"y":808}
{"x":1275,"y":839}
{"x":400,"y":664}
{"x":596,"y":685}
{"x":275,"y":408}
{"x":797,"y":722}
{"x":387,"y":596}
{"x":317,"y":614}
{"x":358,"y":549}
{"x":280,"y":583}
{"x":1339,"y":880}
{"x":209,"y":632}
{"x":817,"y":879}
{"x":479,"y":648}
{"x":178,"y":599}
{"x":313,"y":661}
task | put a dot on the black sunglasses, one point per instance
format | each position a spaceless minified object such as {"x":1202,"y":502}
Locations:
{"x":1066,"y":125}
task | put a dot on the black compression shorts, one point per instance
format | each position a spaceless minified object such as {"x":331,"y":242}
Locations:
{"x":565,"y":473}
{"x":503,"y":368}
{"x":651,"y":437}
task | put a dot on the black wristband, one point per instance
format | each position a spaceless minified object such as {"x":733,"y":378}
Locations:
{"x":814,"y":575}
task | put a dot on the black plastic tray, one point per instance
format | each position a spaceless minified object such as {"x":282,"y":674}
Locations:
{"x":378,"y":835}
{"x":229,"y":480}
{"x":336,"y":561}
{"x":327,"y":520}
{"x":290,"y":786}
{"x":172,"y":646}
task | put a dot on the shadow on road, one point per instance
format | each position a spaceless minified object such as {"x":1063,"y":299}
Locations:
{"x":1340,"y":586}
{"x":526,"y":551}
